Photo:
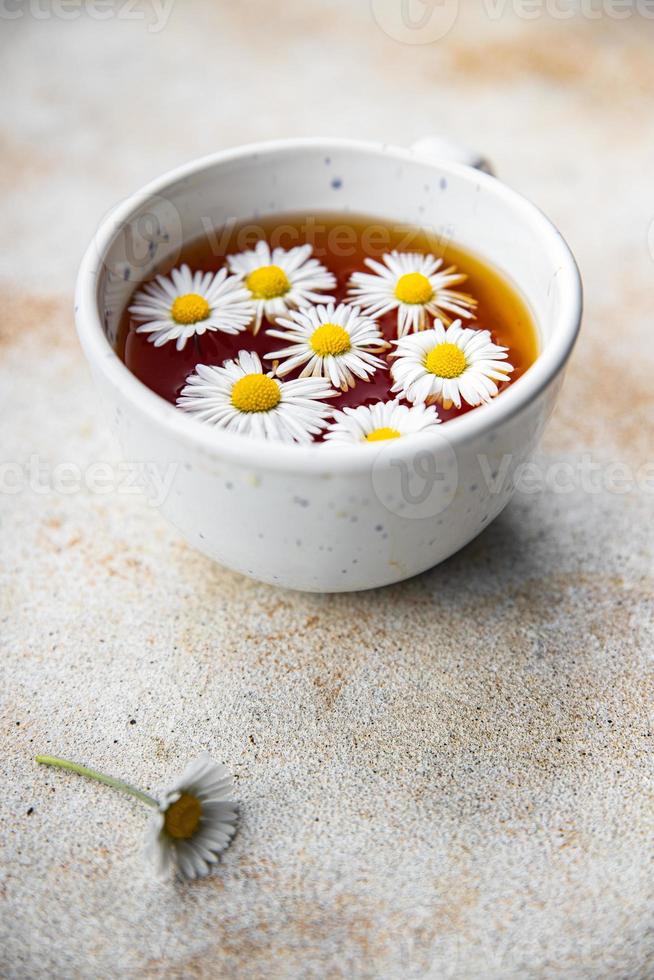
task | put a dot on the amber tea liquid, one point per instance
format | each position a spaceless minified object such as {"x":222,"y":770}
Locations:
{"x":340,"y":242}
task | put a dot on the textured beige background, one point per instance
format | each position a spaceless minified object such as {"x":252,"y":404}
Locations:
{"x":447,"y":778}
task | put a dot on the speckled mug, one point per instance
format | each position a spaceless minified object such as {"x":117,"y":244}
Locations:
{"x":326,"y":518}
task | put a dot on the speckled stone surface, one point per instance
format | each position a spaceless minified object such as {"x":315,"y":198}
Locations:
{"x":447,"y":778}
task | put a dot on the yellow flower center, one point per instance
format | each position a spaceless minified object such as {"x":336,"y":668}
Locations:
{"x":330,"y":339}
{"x":446,"y":361}
{"x":256,"y":393}
{"x":414,"y":288}
{"x":190,"y":308}
{"x":182,"y":817}
{"x":384,"y":433}
{"x":268,"y":282}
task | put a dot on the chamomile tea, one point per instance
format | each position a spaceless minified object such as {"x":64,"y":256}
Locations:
{"x":328,"y":328}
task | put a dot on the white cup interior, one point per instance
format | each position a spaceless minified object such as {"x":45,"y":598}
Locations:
{"x":473,"y":210}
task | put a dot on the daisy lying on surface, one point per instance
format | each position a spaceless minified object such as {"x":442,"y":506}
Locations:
{"x":195,"y":818}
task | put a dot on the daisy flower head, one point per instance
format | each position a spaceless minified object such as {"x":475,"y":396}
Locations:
{"x":379,"y":422}
{"x":334,"y":342}
{"x":240,"y":398}
{"x":449,"y":365}
{"x":185,"y":304}
{"x":195,"y":820}
{"x":278,"y":281}
{"x":413,"y":284}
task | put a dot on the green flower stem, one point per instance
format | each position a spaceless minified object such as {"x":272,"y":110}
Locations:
{"x":51,"y":760}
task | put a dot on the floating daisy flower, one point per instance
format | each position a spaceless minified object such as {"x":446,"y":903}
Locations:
{"x":333,"y":342}
{"x":414,"y":285}
{"x":186,"y":303}
{"x":195,"y":818}
{"x":376,"y":423}
{"x":448,"y":366}
{"x":280,"y":281}
{"x":239,"y":397}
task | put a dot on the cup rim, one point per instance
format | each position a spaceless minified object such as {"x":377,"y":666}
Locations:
{"x":316,"y":457}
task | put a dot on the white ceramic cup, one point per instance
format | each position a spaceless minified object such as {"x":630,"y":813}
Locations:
{"x":317,"y":518}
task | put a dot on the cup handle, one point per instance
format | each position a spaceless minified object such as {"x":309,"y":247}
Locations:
{"x":438,"y":148}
